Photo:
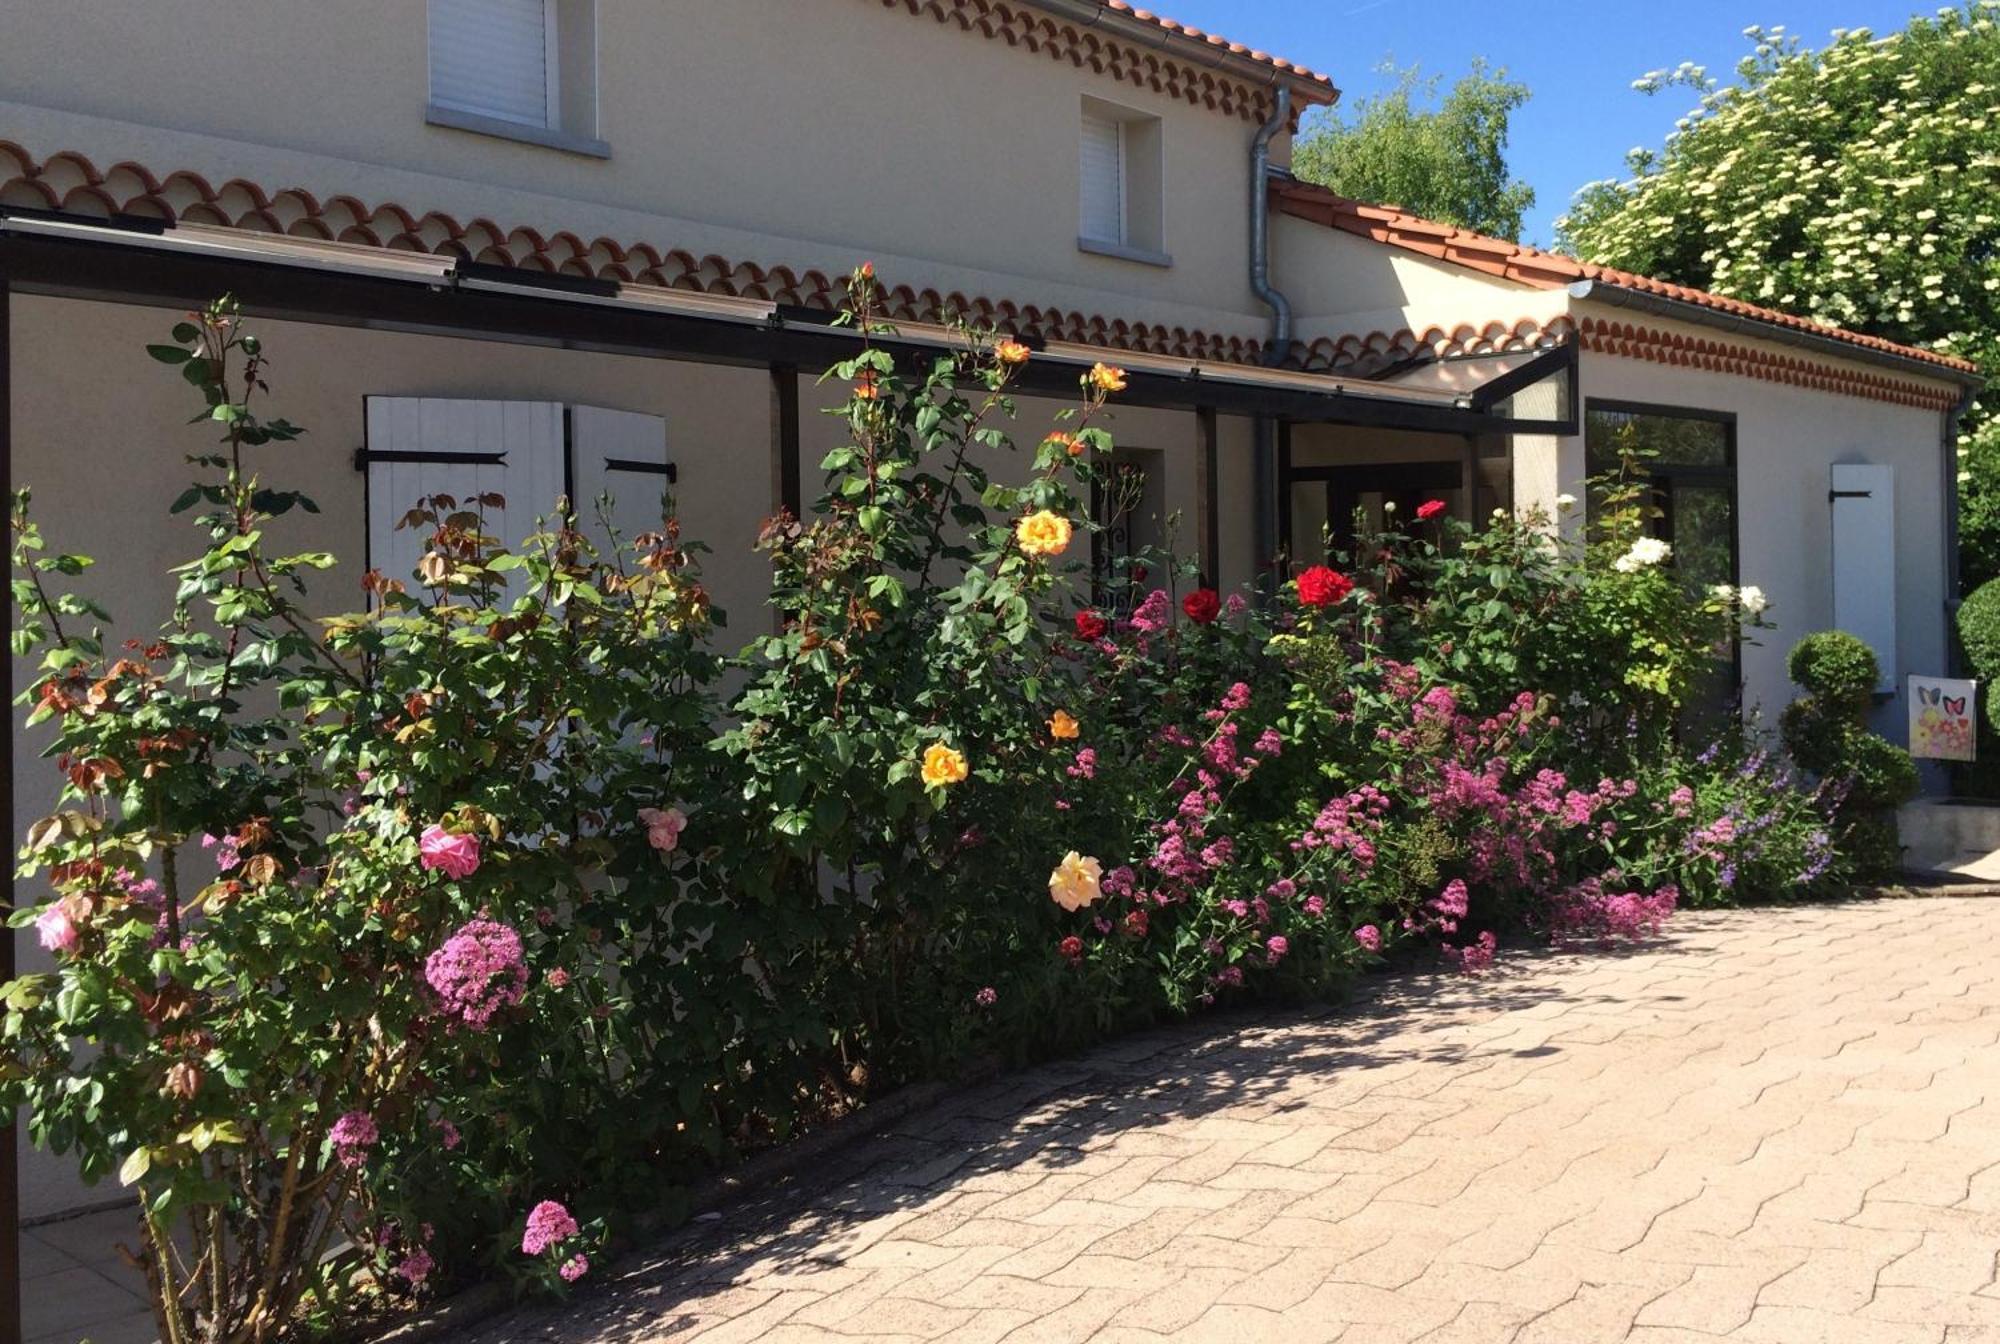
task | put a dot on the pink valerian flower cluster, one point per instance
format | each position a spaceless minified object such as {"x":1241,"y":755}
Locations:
{"x":1713,"y":841}
{"x":1348,"y":824}
{"x":1588,"y":911}
{"x":549,"y":1225}
{"x":477,"y":974}
{"x":354,"y":1135}
{"x":228,"y":851}
{"x":1475,"y":956}
{"x":1154,"y":614}
{"x":575,"y":1267}
{"x":1457,"y":767}
{"x":415,"y":1266}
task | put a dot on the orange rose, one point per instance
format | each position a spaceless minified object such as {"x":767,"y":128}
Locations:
{"x":1104,"y":378}
{"x":943,"y":765}
{"x":1043,"y":533}
{"x":1011,"y":352}
{"x":1062,"y":726}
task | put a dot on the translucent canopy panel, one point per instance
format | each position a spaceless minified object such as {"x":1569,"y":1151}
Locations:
{"x":1532,"y":385}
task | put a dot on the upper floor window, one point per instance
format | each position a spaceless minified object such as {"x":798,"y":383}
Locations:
{"x":497,"y":58}
{"x":524,"y":69}
{"x":1120,"y":202}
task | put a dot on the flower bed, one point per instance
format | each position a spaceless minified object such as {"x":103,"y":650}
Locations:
{"x":498,"y":927}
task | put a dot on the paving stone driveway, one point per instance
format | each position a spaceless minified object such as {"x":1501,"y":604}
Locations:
{"x":1776,"y":1125}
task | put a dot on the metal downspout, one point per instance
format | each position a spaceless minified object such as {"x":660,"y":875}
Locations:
{"x":1264,"y":442}
{"x":1952,"y":598}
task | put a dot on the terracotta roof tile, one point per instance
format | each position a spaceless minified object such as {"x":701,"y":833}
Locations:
{"x":71,"y":182}
{"x":1550,"y":270}
{"x":1378,"y":350}
{"x":1024,"y":25}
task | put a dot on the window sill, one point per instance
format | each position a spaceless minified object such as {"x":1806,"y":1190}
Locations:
{"x":1123,"y":253}
{"x":500,"y":128}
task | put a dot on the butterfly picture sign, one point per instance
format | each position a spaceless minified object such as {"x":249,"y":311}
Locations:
{"x":1941,"y":718}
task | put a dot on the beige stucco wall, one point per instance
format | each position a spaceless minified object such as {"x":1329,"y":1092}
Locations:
{"x":805,"y":132}
{"x":1787,"y":440}
{"x":1342,"y":285}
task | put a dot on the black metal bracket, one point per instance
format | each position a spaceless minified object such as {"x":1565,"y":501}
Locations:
{"x":1850,"y":494}
{"x":364,"y":457}
{"x":670,"y":470}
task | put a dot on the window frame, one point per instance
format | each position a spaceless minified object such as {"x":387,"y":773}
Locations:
{"x":555,"y":132}
{"x":1661,"y":526}
{"x":1129,"y":245}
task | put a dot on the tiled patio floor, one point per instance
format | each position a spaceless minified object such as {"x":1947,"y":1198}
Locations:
{"x":1774,"y":1125}
{"x":74,"y":1285}
{"x":1777,"y":1125}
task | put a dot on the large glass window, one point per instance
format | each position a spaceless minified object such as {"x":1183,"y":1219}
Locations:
{"x":1688,"y":457}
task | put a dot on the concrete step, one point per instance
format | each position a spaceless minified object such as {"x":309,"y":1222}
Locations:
{"x":1953,"y":837}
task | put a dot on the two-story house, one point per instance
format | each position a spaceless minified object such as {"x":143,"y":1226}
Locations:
{"x":548,"y":245}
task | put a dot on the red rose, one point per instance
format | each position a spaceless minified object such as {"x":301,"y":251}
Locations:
{"x":1135,"y":923}
{"x":1090,"y":626}
{"x":1429,"y":509}
{"x":1322,"y":587}
{"x":1202,"y":605}
{"x":1071,"y":948}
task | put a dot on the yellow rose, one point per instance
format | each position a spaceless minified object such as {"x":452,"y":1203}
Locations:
{"x":1042,"y":533}
{"x":1011,"y":352}
{"x":1104,"y":378}
{"x":1073,"y":884}
{"x":1062,"y":726}
{"x":943,"y":765}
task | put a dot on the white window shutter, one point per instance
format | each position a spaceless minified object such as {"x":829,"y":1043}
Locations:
{"x":495,"y":58}
{"x":424,"y":446}
{"x":1102,"y":164}
{"x":1864,"y":560}
{"x":624,"y":455}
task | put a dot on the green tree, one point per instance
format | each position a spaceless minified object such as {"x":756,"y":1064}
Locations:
{"x":1447,"y":162}
{"x":1858,"y":185}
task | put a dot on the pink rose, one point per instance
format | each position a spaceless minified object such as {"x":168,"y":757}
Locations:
{"x":453,"y":854}
{"x":57,"y":931}
{"x":663,"y":829}
{"x":1369,"y":937}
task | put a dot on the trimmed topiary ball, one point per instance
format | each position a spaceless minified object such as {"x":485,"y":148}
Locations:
{"x":1837,"y":669}
{"x":1979,"y":631}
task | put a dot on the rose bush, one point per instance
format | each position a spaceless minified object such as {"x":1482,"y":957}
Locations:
{"x":458,"y":929}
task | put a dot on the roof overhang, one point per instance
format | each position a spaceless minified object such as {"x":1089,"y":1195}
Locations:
{"x":1660,"y":305}
{"x":137,"y":260}
{"x":1146,"y":30}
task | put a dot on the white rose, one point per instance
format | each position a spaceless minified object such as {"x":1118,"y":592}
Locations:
{"x":1753,"y":599}
{"x":1723,"y":592}
{"x":1565,"y":501}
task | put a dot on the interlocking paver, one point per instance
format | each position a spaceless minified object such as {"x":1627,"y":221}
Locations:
{"x":1772,"y":1125}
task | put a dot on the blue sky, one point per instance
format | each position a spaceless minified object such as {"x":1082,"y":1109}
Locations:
{"x":1578,"y":56}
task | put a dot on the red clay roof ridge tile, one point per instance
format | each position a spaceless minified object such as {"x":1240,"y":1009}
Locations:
{"x":1552,"y":270}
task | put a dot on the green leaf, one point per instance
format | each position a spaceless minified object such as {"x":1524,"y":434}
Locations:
{"x":169,"y":354}
{"x":135,"y":1166}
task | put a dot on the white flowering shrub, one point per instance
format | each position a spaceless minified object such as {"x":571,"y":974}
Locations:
{"x":1858,"y":185}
